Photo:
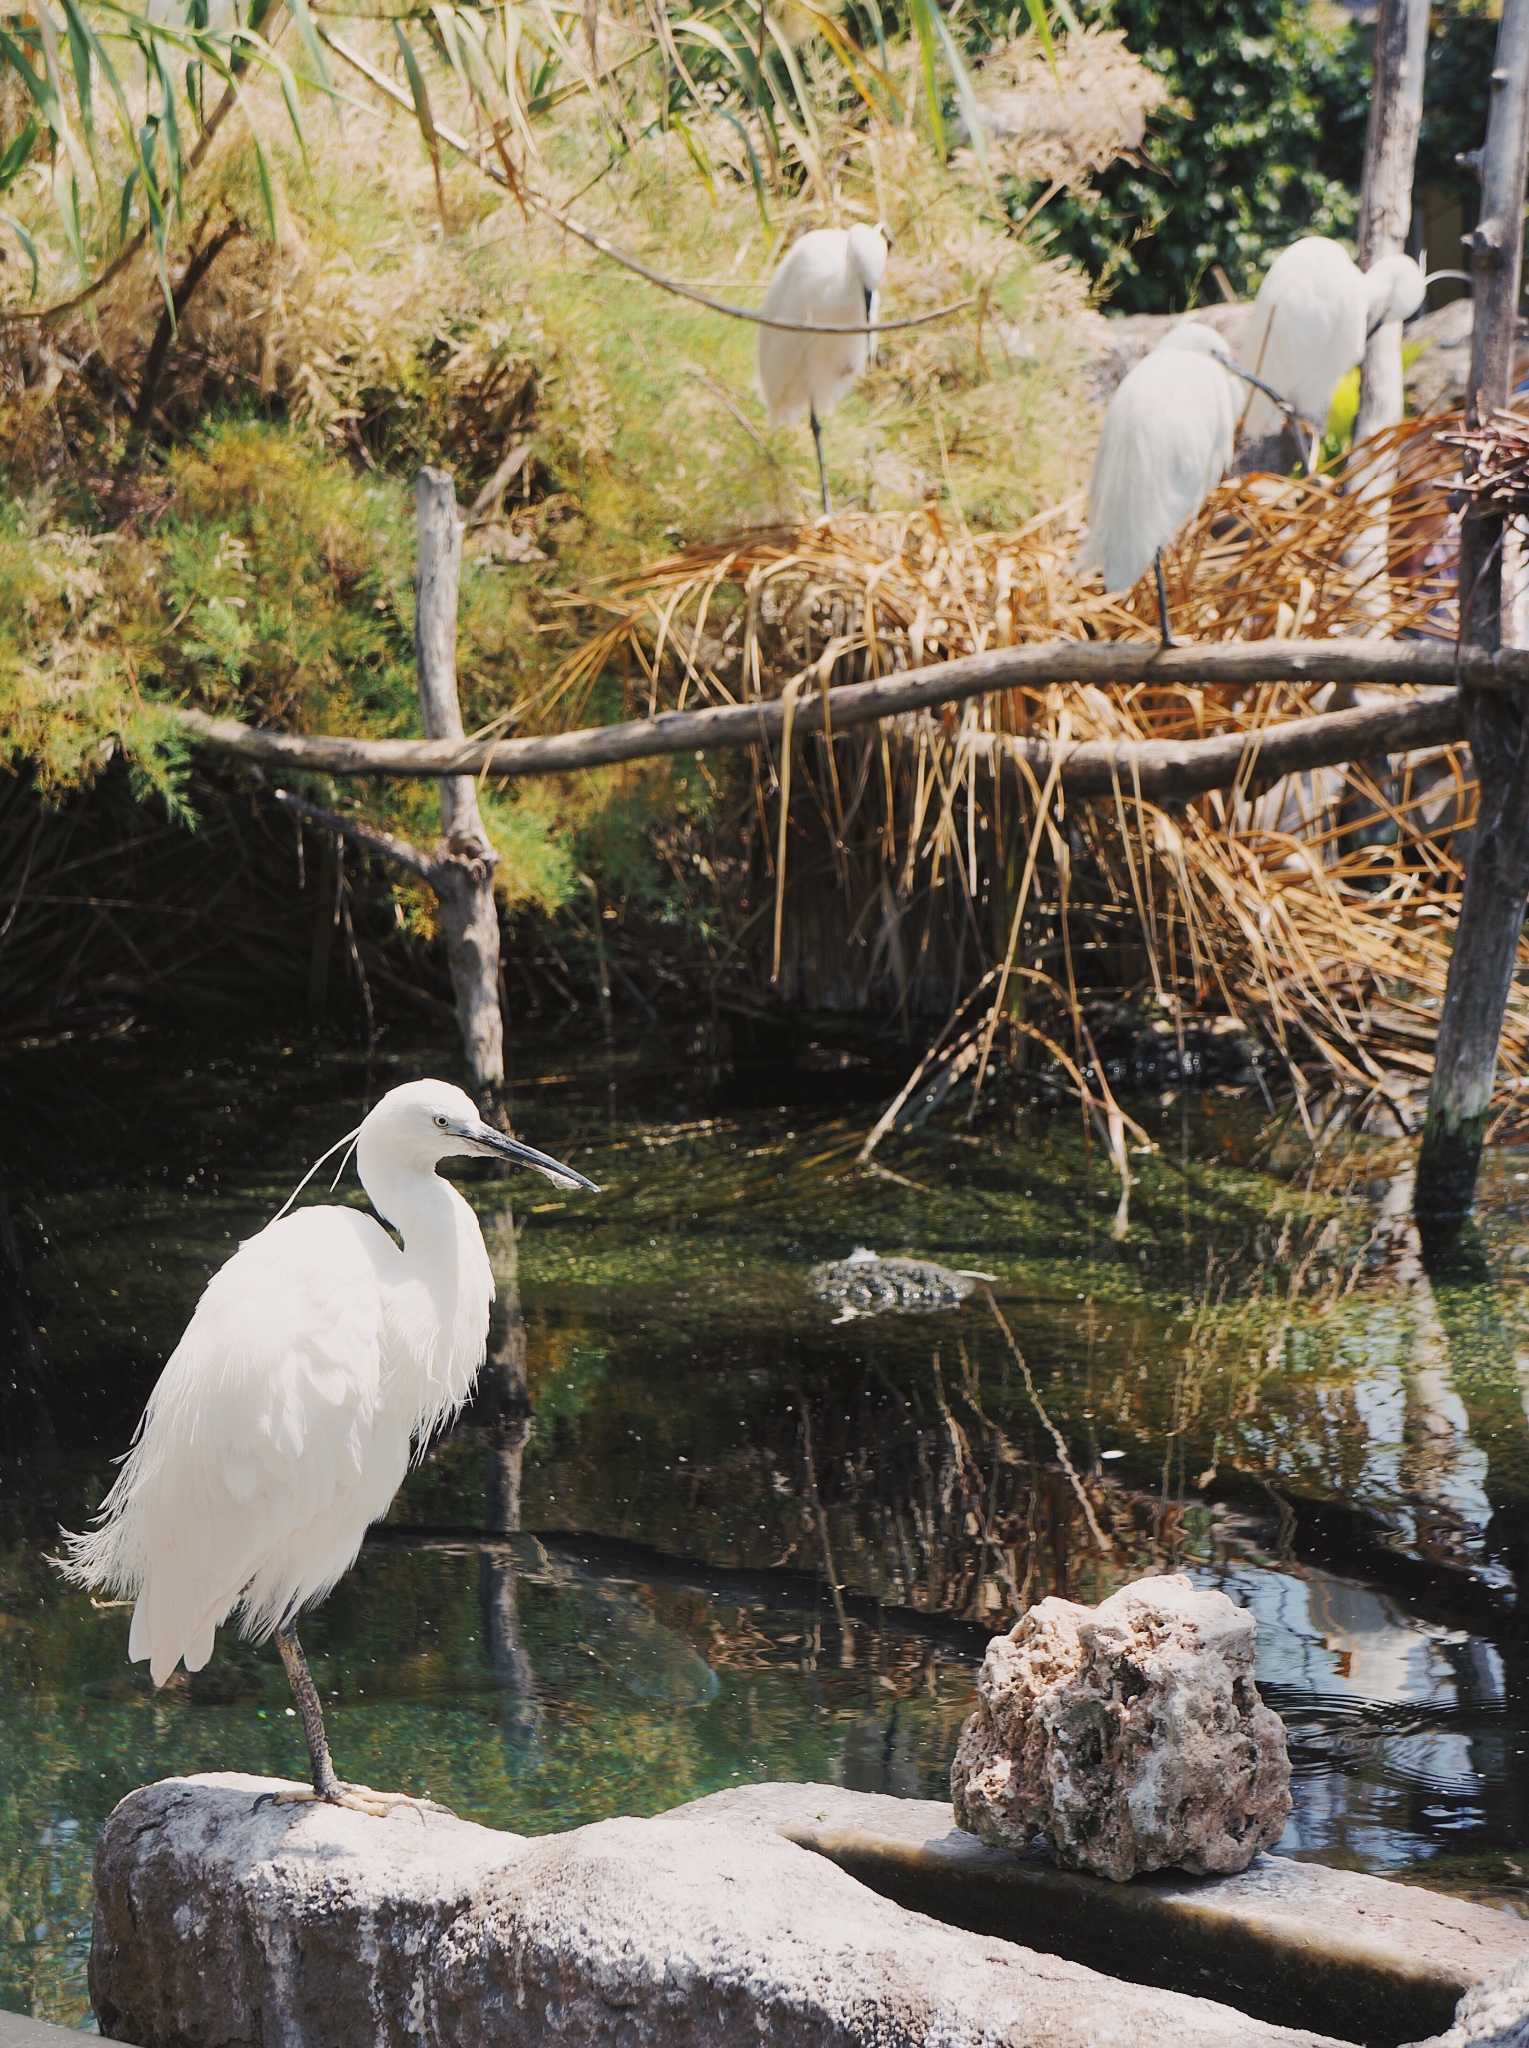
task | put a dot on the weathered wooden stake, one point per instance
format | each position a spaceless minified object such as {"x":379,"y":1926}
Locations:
{"x":1385,"y":204}
{"x":463,"y":866}
{"x":1497,"y":878}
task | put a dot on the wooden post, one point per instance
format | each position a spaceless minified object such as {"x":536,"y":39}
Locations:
{"x":1385,"y":203}
{"x":1497,"y":878}
{"x":463,"y":876}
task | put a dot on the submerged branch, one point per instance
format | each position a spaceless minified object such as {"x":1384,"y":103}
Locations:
{"x":1163,"y":768}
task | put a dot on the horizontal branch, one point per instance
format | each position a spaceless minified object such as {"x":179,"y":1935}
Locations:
{"x":1109,"y":664}
{"x":1173,"y":770}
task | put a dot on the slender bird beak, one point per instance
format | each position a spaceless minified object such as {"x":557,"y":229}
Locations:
{"x":1258,"y":384}
{"x":486,"y":1139}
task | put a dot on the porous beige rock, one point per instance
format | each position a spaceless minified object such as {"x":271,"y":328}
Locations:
{"x":1130,"y":1736}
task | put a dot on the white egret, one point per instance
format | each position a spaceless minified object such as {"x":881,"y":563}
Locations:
{"x":318,"y":1362}
{"x":1312,"y":320}
{"x":830,"y":278}
{"x":1166,"y":443}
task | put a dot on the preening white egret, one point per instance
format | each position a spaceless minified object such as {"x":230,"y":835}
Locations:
{"x":1166,"y":442}
{"x":319,"y":1360}
{"x":830,"y":278}
{"x":1312,"y":320}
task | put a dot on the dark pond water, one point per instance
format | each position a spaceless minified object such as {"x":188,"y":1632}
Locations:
{"x":699,"y":1529}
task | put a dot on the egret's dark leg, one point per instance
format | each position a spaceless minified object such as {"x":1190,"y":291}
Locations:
{"x":325,"y":1784}
{"x":1162,"y":600}
{"x":817,"y":439}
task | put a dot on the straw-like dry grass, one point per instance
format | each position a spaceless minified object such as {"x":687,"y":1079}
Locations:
{"x":923,"y":868}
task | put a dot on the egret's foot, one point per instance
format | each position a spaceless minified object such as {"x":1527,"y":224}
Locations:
{"x":357,"y":1798}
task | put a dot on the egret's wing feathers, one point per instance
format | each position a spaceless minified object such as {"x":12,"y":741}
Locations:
{"x":1307,"y":331}
{"x":1166,"y":442}
{"x":816,"y":286}
{"x":265,"y":1414}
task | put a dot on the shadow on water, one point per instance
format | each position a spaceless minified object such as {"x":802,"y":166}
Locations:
{"x":700,"y":1526}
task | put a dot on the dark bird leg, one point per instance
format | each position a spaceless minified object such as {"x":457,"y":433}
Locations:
{"x":325,"y":1784}
{"x":817,"y":438}
{"x":1162,"y":601}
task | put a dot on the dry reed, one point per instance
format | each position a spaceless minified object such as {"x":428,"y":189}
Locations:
{"x":1316,"y":914}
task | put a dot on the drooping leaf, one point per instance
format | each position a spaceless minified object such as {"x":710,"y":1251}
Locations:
{"x":14,"y":161}
{"x":27,"y":244}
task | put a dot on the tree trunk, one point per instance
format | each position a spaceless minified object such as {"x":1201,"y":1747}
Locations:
{"x":1497,"y":879}
{"x":464,"y":882}
{"x":1385,"y":206}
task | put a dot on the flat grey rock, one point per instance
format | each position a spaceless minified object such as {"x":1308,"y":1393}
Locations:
{"x":17,"y":2031}
{"x":709,"y":1927}
{"x":1294,"y":1942}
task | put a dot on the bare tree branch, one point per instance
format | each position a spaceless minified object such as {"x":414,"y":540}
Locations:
{"x":1175,"y":767}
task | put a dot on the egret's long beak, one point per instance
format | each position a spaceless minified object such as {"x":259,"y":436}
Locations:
{"x":487,"y":1139}
{"x":1268,"y":390}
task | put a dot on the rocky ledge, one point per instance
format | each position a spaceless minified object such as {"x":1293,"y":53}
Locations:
{"x":765,"y":1915}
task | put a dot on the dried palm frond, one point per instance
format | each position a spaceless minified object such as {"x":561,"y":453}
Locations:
{"x":927,"y":868}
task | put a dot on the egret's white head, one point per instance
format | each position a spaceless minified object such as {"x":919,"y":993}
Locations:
{"x":868,"y":254}
{"x":1394,"y":289}
{"x":426,"y":1121}
{"x":1196,"y":336}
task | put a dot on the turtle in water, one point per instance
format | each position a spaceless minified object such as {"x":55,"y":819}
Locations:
{"x":866,"y":1284}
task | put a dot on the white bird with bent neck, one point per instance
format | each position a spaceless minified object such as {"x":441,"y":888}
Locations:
{"x":318,"y":1363}
{"x":1312,"y":321}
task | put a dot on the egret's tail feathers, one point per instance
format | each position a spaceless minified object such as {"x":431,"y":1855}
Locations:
{"x":101,"y":1559}
{"x":167,"y":1633}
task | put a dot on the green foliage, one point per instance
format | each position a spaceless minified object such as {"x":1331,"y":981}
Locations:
{"x":1264,"y":141}
{"x":68,"y":699}
{"x":536,"y":864}
{"x":283,"y":587}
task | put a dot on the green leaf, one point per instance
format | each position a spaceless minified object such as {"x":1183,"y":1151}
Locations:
{"x":125,"y":212}
{"x":962,"y":80}
{"x":80,"y":56}
{"x":754,"y":171}
{"x":174,"y":165}
{"x":298,"y":9}
{"x":27,"y":244}
{"x":79,"y":26}
{"x":921,"y":12}
{"x":697,"y":156}
{"x":262,"y":163}
{"x":13,"y":163}
{"x":66,"y":199}
{"x":421,"y":99}
{"x":1036,"y":9}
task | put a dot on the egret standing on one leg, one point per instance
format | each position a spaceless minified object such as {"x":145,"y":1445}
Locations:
{"x":1166,"y":443}
{"x":1312,"y":320}
{"x":318,"y":1361}
{"x":830,"y":278}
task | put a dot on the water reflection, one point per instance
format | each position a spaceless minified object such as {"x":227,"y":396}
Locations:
{"x":693,"y":1531}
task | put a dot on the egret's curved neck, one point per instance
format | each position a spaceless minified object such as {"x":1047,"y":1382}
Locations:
{"x":408,"y":1193}
{"x":441,"y":1294}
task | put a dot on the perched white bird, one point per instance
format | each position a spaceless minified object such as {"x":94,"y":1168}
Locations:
{"x":1165,"y":445}
{"x":830,"y":278}
{"x":1312,"y":320}
{"x":318,"y":1362}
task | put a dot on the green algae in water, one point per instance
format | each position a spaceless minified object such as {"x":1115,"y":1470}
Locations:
{"x":770,"y":1543}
